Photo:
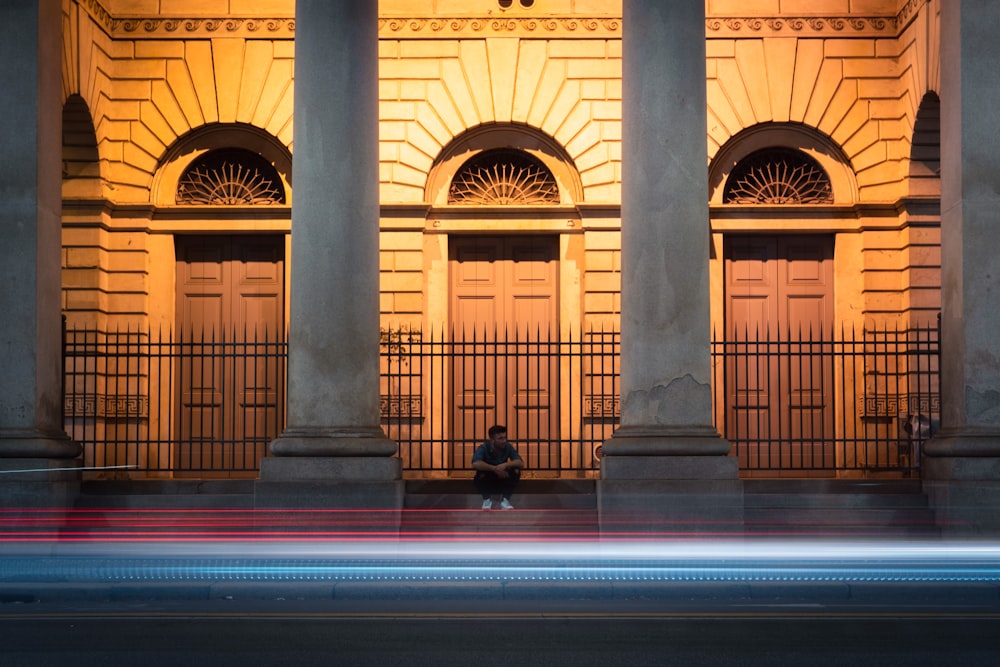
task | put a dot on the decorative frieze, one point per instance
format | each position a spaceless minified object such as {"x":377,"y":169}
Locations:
{"x":496,"y":27}
{"x":204,"y":27}
{"x":97,"y":12}
{"x":815,"y":26}
{"x":602,"y":407}
{"x":404,"y":406}
{"x":107,"y":406}
{"x":896,"y":405}
{"x":155,"y":27}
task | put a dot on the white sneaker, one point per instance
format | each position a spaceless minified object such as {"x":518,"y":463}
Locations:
{"x":505,"y":505}
{"x":488,"y":504}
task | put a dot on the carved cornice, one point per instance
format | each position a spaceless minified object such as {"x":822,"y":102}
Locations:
{"x":156,"y":27}
{"x":97,"y":12}
{"x":908,"y":11}
{"x":815,"y":26}
{"x":500,"y":27}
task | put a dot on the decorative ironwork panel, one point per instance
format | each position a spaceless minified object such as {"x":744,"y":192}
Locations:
{"x":602,"y":407}
{"x":503,"y":176}
{"x":899,"y":404}
{"x":115,"y":406}
{"x":406,"y":406}
{"x":778,"y":176}
{"x":230,"y":177}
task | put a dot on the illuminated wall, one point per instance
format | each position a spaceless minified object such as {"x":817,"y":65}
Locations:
{"x":150,"y":86}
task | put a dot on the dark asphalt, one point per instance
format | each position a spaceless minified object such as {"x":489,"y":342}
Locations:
{"x":504,"y":633}
{"x":450,"y":603}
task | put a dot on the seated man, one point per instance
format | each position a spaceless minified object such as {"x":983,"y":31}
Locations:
{"x":498,"y":468}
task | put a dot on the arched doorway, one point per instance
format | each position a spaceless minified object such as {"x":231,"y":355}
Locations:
{"x":504,"y":221}
{"x":775,"y":191}
{"x":226,"y":190}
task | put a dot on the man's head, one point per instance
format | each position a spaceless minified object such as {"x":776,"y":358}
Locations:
{"x":498,"y":435}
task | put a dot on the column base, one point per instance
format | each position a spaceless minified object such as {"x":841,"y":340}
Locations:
{"x":659,"y":441}
{"x":669,"y":468}
{"x":39,"y":482}
{"x":965,"y":508}
{"x":31,"y":444}
{"x":963,"y":444}
{"x":961,"y":477}
{"x":679,"y":481}
{"x":694,"y":508}
{"x":358,"y":482}
{"x":319,"y":442}
{"x":330,"y":469}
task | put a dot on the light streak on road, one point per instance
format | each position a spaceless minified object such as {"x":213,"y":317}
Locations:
{"x":470,"y":560}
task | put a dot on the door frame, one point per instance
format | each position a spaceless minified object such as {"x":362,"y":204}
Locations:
{"x":500,"y":374}
{"x":231,"y":241}
{"x":778,"y":379}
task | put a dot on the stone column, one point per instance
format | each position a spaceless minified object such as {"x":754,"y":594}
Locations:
{"x":666,"y":452}
{"x":34,"y":449}
{"x":961,"y":467}
{"x":333,"y":451}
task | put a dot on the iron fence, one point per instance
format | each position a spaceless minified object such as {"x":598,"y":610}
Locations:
{"x":809,"y":403}
{"x":147,"y":402}
{"x":558,"y":396}
{"x":790,"y":405}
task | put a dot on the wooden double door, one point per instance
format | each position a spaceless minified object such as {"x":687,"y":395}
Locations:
{"x":779,"y":373}
{"x":504,"y":319}
{"x":230,"y":319}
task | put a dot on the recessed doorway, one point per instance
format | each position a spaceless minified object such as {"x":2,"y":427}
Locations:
{"x":504,"y":311}
{"x":230,"y":313}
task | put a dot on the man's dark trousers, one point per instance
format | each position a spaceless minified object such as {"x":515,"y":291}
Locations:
{"x":489,"y":485}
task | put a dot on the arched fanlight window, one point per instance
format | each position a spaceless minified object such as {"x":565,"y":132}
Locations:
{"x":230,"y":177}
{"x":778,"y":176}
{"x":503,"y":176}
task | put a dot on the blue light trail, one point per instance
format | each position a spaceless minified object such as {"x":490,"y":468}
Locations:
{"x":471,"y":561}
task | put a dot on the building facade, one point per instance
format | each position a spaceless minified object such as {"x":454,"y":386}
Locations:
{"x":800,"y":200}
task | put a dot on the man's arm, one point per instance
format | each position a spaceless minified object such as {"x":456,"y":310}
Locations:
{"x":478,"y":460}
{"x":514,"y":460}
{"x":501,"y":469}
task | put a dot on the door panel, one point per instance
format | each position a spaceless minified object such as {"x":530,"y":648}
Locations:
{"x":504,"y":310}
{"x":228,"y":289}
{"x":780,"y":289}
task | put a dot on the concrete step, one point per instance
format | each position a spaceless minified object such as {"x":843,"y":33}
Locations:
{"x":761,"y":486}
{"x":828,"y":517}
{"x":472,"y":501}
{"x":838,"y":508}
{"x":533,"y":523}
{"x":543,"y":507}
{"x":835,"y":501}
{"x":533,"y":494}
{"x":842,"y":508}
{"x":166,"y":494}
{"x":529,"y":486}
{"x":171,"y":501}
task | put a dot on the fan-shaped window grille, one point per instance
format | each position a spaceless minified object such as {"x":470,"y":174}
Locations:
{"x":230,"y":177}
{"x":778,"y":176}
{"x":503,"y":176}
